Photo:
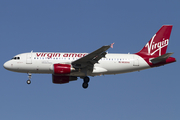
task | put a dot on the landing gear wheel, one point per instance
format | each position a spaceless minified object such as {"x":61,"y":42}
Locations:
{"x":28,"y":82}
{"x":85,"y":85}
{"x":86,"y":79}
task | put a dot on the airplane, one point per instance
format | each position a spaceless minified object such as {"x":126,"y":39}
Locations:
{"x":66,"y":67}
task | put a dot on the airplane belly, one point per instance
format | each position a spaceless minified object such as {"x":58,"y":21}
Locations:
{"x":99,"y":70}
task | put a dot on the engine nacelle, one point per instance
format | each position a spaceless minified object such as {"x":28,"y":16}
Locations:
{"x":62,"y":79}
{"x":62,"y":69}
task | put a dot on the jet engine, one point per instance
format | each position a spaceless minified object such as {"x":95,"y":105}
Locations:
{"x":60,"y":69}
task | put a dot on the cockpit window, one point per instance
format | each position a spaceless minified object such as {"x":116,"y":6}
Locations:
{"x":16,"y":58}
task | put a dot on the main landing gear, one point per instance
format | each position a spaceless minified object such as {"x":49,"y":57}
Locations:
{"x":29,"y":81}
{"x":85,"y":83}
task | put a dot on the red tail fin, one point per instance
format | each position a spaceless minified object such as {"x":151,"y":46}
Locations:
{"x":158,"y":44}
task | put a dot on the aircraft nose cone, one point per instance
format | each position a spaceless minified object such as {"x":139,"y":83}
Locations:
{"x":7,"y":65}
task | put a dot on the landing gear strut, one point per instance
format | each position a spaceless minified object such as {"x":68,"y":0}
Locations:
{"x":29,"y":81}
{"x":85,"y":83}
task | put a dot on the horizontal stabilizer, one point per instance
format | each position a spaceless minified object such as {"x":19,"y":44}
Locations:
{"x":161,"y":58}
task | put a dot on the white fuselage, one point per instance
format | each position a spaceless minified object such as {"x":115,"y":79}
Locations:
{"x":38,"y":62}
{"x":66,"y":67}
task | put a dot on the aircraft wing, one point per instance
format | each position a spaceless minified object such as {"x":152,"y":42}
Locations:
{"x":91,"y":58}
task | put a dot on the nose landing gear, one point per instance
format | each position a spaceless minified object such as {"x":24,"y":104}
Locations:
{"x":29,"y":81}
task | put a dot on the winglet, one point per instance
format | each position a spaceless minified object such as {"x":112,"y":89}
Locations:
{"x":112,"y":45}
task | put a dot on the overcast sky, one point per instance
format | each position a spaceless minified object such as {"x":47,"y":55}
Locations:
{"x":84,"y":26}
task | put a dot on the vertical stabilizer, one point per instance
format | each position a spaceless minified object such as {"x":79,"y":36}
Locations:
{"x":157,"y":46}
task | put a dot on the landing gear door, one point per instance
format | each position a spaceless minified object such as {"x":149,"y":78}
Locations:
{"x":135,"y":61}
{"x":29,"y":58}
